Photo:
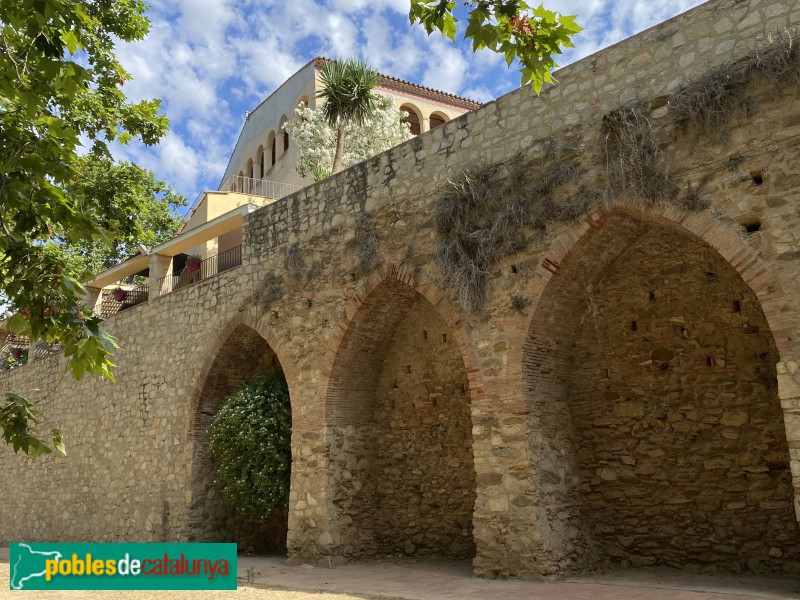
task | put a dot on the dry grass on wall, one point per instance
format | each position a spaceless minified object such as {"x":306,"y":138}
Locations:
{"x":492,"y":211}
{"x":713,"y":99}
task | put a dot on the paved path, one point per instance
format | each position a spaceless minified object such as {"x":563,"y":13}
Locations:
{"x":451,"y":580}
{"x":441,"y":580}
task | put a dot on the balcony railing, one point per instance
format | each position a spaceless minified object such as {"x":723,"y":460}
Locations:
{"x":194,"y":273}
{"x":16,"y":350}
{"x":114,"y":301}
{"x":257,"y":187}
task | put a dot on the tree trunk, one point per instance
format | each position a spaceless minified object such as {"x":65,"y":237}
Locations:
{"x":337,"y":158}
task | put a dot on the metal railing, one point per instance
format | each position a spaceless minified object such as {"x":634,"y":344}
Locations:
{"x":14,"y":352}
{"x":257,"y":187}
{"x":192,"y":273}
{"x":114,"y":301}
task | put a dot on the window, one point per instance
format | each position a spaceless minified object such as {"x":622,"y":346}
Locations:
{"x":282,"y":127}
{"x":412,"y":119}
{"x":271,"y":146}
{"x":437,"y":120}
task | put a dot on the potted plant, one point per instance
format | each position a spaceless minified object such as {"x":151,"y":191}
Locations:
{"x":16,"y":353}
{"x":193,"y":263}
{"x":119,"y":294}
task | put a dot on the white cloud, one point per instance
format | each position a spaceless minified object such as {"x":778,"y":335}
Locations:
{"x":342,"y":36}
{"x":479,"y":94}
{"x":445,"y":67}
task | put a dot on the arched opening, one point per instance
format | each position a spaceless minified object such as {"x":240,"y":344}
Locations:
{"x":260,"y":160}
{"x":650,"y":377}
{"x":413,"y":118}
{"x":437,"y":119}
{"x":243,"y":355}
{"x":284,"y":134}
{"x":271,"y":146}
{"x":238,"y":185}
{"x":398,"y":410}
{"x":249,"y":169}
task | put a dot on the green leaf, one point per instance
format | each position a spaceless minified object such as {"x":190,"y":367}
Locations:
{"x":61,"y":211}
{"x":523,"y":35}
{"x":58,"y":443}
{"x":70,"y":40}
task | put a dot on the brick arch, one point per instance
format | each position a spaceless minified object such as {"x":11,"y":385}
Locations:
{"x":702,"y":225}
{"x":254,"y":348}
{"x":433,"y":294}
{"x":249,"y":320}
{"x":398,"y":397}
{"x":575,"y":405}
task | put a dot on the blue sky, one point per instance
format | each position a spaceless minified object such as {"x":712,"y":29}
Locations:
{"x":213,"y":60}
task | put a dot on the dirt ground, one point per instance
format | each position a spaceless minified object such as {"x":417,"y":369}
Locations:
{"x":269,"y":578}
{"x":245,"y":591}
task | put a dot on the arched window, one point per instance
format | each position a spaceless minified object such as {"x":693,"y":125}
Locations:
{"x":412,"y":119}
{"x":271,"y":146}
{"x":260,"y":160}
{"x":238,"y":182}
{"x":437,"y":119}
{"x":284,"y":120}
{"x":250,"y":168}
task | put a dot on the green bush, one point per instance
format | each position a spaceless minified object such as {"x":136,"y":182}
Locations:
{"x":251,"y":445}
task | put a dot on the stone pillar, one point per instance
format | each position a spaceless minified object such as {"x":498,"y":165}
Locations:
{"x":789,"y":394}
{"x":507,"y":530}
{"x":313,"y":535}
{"x":93,"y":298}
{"x":160,"y":267}
{"x":424,"y":125}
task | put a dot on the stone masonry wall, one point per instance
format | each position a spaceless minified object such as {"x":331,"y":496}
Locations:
{"x":129,"y":471}
{"x":128,"y":468}
{"x":403,"y":475}
{"x":423,"y":468}
{"x":680,"y":440}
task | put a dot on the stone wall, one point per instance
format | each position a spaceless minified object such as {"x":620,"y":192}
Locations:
{"x":402,"y":470}
{"x":332,"y":321}
{"x":423,"y":468}
{"x":679,"y":436}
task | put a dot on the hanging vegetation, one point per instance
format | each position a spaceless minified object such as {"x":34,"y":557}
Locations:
{"x":493,"y":211}
{"x":711,"y":100}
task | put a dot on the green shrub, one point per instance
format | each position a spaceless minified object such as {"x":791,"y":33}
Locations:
{"x":251,"y":445}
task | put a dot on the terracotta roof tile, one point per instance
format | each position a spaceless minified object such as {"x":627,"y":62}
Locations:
{"x":391,"y":81}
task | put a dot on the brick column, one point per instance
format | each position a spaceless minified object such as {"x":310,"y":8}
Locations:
{"x":160,"y":267}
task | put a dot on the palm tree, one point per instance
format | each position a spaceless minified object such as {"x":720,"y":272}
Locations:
{"x":347,"y":89}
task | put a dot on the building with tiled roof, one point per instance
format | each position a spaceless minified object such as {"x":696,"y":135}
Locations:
{"x":264,"y":151}
{"x":261,"y":170}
